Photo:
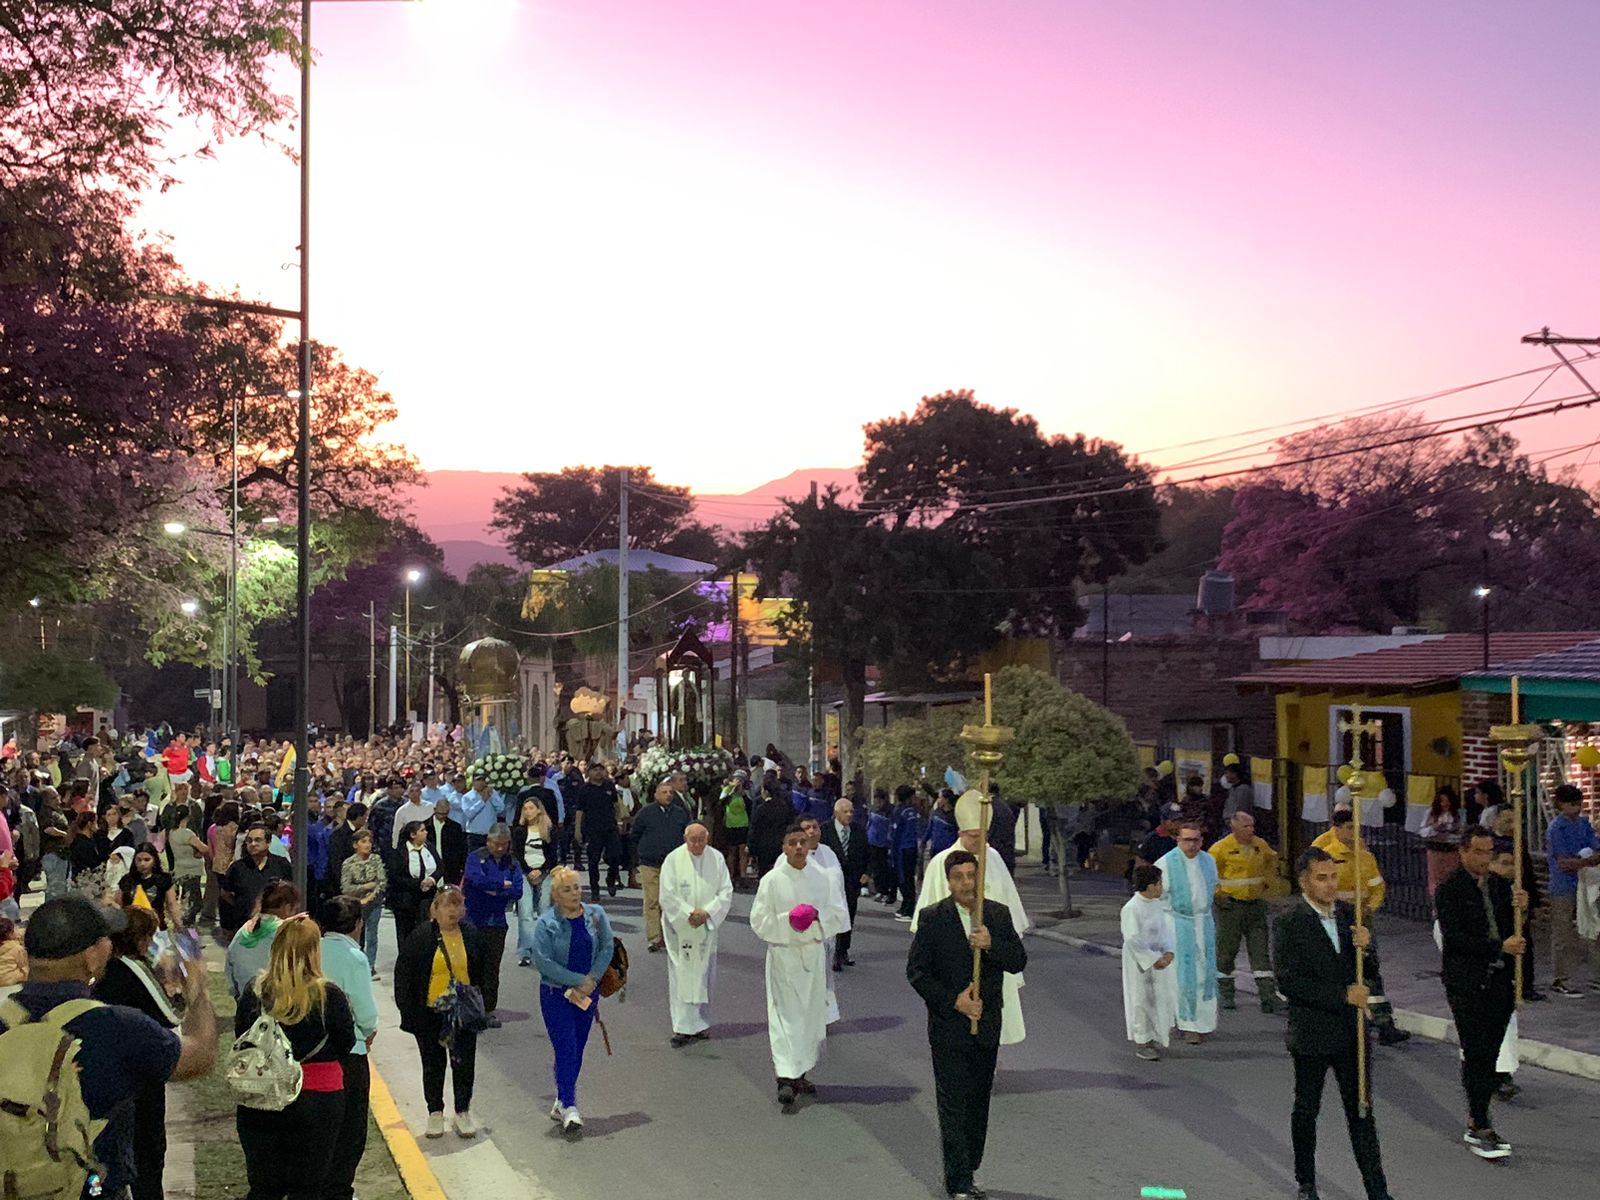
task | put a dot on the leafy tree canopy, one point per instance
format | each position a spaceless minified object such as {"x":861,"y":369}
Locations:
{"x":1087,"y":509}
{"x":556,"y":515}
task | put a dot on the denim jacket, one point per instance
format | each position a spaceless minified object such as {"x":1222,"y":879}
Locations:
{"x":552,"y":942}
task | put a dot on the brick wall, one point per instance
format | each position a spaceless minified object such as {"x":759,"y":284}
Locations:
{"x":1153,"y":682}
{"x":1479,"y":711}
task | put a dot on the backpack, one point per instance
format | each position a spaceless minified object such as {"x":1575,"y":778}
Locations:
{"x":261,"y":1067}
{"x":615,"y":978}
{"x":46,"y":1133}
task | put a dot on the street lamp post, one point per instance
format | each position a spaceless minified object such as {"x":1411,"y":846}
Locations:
{"x":413,"y":576}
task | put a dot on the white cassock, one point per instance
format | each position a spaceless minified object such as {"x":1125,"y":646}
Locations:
{"x":825,"y":858}
{"x":690,"y":882}
{"x":997,"y":885}
{"x":1189,"y":886}
{"x":1149,"y":997}
{"x":797,"y":964}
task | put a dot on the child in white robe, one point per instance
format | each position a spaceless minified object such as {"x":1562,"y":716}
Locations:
{"x":1149,"y":985}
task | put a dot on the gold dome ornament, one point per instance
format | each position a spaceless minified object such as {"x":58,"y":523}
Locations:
{"x":488,"y":668}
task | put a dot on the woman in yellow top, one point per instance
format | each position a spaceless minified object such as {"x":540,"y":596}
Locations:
{"x":438,"y":951}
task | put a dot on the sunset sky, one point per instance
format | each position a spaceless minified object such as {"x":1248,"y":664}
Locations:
{"x":720,"y":236}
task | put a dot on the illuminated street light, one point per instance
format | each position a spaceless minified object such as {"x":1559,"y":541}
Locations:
{"x":190,"y":607}
{"x":175,"y":528}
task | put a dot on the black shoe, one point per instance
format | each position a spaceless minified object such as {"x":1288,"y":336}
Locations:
{"x":680,"y":1040}
{"x":848,"y":961}
{"x":492,"y":1021}
{"x":1307,"y":1193}
{"x":703,"y":1036}
{"x":1392,"y":1035}
{"x":1486,"y":1143}
{"x":657,"y":946}
{"x":838,"y":965}
{"x":1534,"y":995}
{"x":785,"y":1093}
{"x":805,"y":1087}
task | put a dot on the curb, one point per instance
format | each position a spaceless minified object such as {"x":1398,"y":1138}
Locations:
{"x":1551,"y":1057}
{"x":415,"y":1170}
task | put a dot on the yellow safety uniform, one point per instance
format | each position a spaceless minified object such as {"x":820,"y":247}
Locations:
{"x":1244,"y":872}
{"x":1372,"y":899}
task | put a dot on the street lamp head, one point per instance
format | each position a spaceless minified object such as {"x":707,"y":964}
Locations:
{"x":1482,"y":591}
{"x":190,"y":607}
{"x":271,"y":520}
{"x":35,"y":602}
{"x":413,"y":575}
{"x":174,"y":528}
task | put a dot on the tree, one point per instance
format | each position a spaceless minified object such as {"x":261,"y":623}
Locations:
{"x":916,"y":750}
{"x":53,"y":680}
{"x":1049,"y":512}
{"x":88,"y":89}
{"x":555,"y":515}
{"x":912,"y":600}
{"x":1192,"y":523}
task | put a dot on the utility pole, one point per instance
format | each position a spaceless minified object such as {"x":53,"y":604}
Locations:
{"x":433,"y":642}
{"x":1105,"y":645}
{"x":372,"y":668}
{"x":623,"y":673}
{"x":302,"y":697}
{"x":733,"y":661}
{"x":1555,"y":341}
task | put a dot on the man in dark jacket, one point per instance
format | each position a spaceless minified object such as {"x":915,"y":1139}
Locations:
{"x":940,"y":969}
{"x":849,"y":844}
{"x":1315,"y":950}
{"x":767,"y":824}
{"x":596,"y":829}
{"x":657,"y":832}
{"x":493,"y":883}
{"x":1003,"y":829}
{"x":448,"y":841}
{"x":341,"y":840}
{"x":1476,"y":911}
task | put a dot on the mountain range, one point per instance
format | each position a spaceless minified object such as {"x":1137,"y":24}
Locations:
{"x":453,"y":508}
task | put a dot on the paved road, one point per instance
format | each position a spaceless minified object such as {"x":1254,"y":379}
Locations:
{"x":1075,"y":1114}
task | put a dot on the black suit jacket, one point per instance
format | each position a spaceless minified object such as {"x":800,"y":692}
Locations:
{"x":1471,"y":954}
{"x":1315,"y":978}
{"x":940,"y":968}
{"x":855,"y":861}
{"x":452,"y":855}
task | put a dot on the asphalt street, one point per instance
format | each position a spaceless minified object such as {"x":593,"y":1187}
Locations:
{"x":1075,"y":1114}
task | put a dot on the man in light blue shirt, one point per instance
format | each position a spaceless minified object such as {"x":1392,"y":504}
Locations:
{"x":344,"y":964}
{"x":432,"y":790}
{"x":481,"y":807}
{"x":1574,"y":857}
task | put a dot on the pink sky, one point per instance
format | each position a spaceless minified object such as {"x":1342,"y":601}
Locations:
{"x":719,"y":237}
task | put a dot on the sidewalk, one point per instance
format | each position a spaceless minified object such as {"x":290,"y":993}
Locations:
{"x":1558,"y":1034}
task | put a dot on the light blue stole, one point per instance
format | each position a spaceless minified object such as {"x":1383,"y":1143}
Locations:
{"x":1192,"y":983}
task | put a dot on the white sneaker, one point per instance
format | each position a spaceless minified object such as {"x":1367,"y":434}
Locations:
{"x":465,"y":1126}
{"x":557,"y":1112}
{"x":435,"y":1125}
{"x":571,"y":1122}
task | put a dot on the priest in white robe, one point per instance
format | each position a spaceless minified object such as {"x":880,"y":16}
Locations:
{"x":795,"y":909}
{"x":696,"y":893}
{"x":1149,"y":948}
{"x":997,"y":885}
{"x":1189,"y":880}
{"x":825,"y":858}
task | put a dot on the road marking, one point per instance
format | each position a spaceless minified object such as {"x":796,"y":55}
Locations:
{"x":419,"y":1178}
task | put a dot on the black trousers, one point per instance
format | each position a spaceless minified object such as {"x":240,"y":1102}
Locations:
{"x":405,"y":920}
{"x":907,"y":861}
{"x":883,"y":880}
{"x":852,"y":896}
{"x":1310,"y":1073}
{"x":1481,"y":1020}
{"x":494,"y":943}
{"x":609,"y":847}
{"x":351,"y":1144}
{"x":149,"y":1142}
{"x":963,"y":1077}
{"x":463,"y":1064}
{"x":286,"y":1153}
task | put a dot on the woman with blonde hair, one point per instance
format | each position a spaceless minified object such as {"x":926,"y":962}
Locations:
{"x":533,"y":846}
{"x":440,"y":953}
{"x":286,"y":1153}
{"x":572,"y":945}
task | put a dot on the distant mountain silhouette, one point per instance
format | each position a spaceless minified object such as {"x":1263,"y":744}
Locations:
{"x":455,"y":506}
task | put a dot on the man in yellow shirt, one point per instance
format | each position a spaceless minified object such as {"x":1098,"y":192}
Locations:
{"x":1339,"y":844}
{"x":1246,"y":866}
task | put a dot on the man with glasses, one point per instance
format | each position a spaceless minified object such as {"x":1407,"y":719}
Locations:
{"x":1191,"y":885}
{"x":249,"y":876}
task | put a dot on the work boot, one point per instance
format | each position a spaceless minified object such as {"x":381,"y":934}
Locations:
{"x":1225,"y":994}
{"x":1268,"y":987}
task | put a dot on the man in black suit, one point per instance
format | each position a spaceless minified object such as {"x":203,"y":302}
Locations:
{"x":448,"y":841}
{"x":1315,"y":950}
{"x":1476,"y":923}
{"x":849,"y":845}
{"x":940,"y":968}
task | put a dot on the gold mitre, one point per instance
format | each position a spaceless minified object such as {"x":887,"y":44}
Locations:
{"x":972,"y":811}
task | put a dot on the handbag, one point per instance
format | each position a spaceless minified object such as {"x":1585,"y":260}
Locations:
{"x":461,"y":1008}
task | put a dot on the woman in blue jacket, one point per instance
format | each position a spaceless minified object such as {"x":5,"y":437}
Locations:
{"x":572,"y":947}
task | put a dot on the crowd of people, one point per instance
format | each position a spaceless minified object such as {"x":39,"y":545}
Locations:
{"x":139,"y":840}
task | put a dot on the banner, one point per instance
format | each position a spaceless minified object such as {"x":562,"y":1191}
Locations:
{"x":1261,"y":781}
{"x":1315,"y":785}
{"x":1419,"y":800}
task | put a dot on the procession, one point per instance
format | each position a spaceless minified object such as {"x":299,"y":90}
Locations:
{"x":960,"y":600}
